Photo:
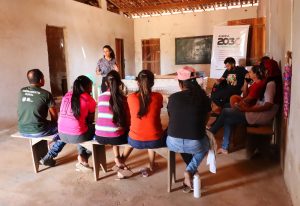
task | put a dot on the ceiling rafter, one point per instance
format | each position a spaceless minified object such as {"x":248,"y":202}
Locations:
{"x":154,"y":7}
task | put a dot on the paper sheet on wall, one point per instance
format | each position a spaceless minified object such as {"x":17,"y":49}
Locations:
{"x":228,"y":41}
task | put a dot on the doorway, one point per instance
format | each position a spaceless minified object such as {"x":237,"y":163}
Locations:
{"x":120,"y":57}
{"x":151,"y":55}
{"x":57,"y":61}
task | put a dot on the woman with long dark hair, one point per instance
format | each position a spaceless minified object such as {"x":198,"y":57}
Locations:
{"x":106,"y":64}
{"x":188,"y":114}
{"x":146,"y":128}
{"x":75,"y":122}
{"x":113,"y":121}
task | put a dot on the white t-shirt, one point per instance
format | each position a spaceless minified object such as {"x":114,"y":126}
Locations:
{"x":265,"y":117}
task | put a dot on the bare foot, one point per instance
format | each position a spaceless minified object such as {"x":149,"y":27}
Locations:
{"x":81,"y":159}
{"x":222,"y":151}
{"x":188,"y":179}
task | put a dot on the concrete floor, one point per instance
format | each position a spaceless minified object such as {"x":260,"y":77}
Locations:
{"x":238,"y":181}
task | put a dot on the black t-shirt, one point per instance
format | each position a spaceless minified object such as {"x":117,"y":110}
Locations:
{"x":235,"y":77}
{"x":187,"y":115}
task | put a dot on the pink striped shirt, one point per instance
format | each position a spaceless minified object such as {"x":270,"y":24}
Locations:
{"x":104,"y":123}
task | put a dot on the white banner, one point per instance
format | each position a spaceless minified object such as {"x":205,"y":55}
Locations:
{"x":228,"y":41}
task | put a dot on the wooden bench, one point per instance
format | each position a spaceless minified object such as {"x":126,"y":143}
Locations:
{"x":98,"y":156}
{"x":163,"y":152}
{"x":261,"y":130}
{"x":39,"y":148}
{"x":170,"y":157}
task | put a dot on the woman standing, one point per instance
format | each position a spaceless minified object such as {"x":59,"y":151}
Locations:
{"x":75,"y":122}
{"x":106,"y":64}
{"x":188,"y":113}
{"x":146,"y":128}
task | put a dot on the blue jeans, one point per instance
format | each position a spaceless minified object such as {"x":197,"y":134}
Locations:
{"x":76,"y":139}
{"x":51,"y":130}
{"x":227,"y":119}
{"x":197,"y":148}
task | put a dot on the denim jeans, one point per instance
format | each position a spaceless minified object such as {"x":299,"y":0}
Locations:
{"x":227,"y":119}
{"x":197,"y":148}
{"x":56,"y":148}
{"x":76,"y":139}
{"x":51,"y":130}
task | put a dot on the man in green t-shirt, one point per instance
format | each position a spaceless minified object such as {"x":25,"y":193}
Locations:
{"x":33,"y":107}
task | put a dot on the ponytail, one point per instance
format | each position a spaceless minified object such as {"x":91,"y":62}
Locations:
{"x":81,"y":84}
{"x":116,"y":101}
{"x":145,"y":82}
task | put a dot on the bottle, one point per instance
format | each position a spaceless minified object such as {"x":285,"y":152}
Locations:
{"x":197,"y":186}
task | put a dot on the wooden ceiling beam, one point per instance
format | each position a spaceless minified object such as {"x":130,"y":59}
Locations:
{"x":171,"y":6}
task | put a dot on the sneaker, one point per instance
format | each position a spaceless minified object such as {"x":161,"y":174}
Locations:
{"x":48,"y":161}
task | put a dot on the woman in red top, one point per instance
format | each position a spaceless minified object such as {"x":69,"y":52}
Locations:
{"x":144,"y":106}
{"x":251,"y":94}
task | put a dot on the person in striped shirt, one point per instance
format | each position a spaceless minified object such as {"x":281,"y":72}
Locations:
{"x":112,"y":124}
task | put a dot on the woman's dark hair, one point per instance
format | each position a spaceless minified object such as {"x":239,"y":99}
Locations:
{"x":145,"y":82}
{"x":111,"y":51}
{"x":273,"y":73}
{"x":259,"y":71}
{"x":194,"y":89}
{"x":263,"y":60}
{"x":116,"y":101}
{"x":81,"y":84}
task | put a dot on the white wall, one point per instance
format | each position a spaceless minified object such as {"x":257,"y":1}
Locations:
{"x":292,"y":157}
{"x":167,"y":28}
{"x":23,"y":42}
{"x":283,"y":30}
{"x":280,"y":28}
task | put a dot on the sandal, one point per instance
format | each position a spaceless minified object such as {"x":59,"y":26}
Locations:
{"x":123,"y":170}
{"x":186,"y":188}
{"x":144,"y":172}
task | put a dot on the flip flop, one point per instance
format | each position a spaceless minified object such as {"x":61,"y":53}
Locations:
{"x":144,"y":172}
{"x":186,"y":188}
{"x":124,"y":171}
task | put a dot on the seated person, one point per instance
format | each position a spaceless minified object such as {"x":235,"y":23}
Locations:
{"x":145,"y":128}
{"x":263,"y":60}
{"x":235,"y":115}
{"x":256,"y":79}
{"x":188,"y":113}
{"x":113,"y":121}
{"x":33,"y":106}
{"x":229,"y":84}
{"x":76,"y":117}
